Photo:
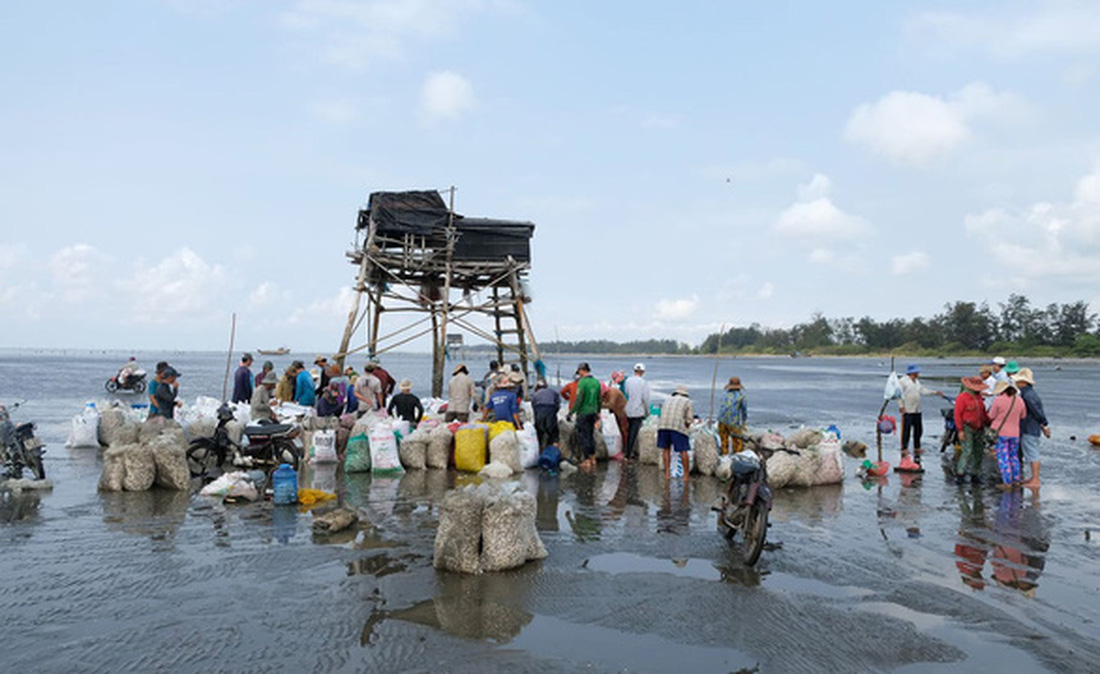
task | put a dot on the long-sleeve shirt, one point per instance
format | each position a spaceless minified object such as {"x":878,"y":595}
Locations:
{"x":1005,"y":415}
{"x":676,"y":414}
{"x":1036,"y":417}
{"x":546,"y":398}
{"x":734,"y":411}
{"x":261,"y":403}
{"x":242,"y":385}
{"x":970,"y":411}
{"x":637,"y":396}
{"x":408,"y":407}
{"x":614,"y":400}
{"x":461,"y":392}
{"x":911,"y":391}
{"x":587,"y":399}
{"x":166,"y":400}
{"x":305,"y":391}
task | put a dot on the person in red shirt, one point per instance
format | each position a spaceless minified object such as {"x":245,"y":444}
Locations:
{"x":971,"y":420}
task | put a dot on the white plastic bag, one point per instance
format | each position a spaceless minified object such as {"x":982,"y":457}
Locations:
{"x":893,"y":387}
{"x":528,"y":446}
{"x":323,"y":447}
{"x":383,"y":449}
{"x":232,"y":484}
{"x":85,"y":430}
{"x":609,"y":428}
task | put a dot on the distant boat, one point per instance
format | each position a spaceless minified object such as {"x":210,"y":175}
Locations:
{"x":281,"y":351}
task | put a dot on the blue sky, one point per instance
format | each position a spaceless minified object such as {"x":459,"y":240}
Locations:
{"x":164,"y":163}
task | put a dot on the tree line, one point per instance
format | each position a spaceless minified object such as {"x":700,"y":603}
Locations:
{"x":1016,"y":327}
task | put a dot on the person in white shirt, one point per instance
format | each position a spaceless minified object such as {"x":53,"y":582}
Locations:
{"x":912,"y":421}
{"x":637,"y":408}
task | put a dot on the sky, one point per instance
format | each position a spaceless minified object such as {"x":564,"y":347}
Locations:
{"x":167,"y":163}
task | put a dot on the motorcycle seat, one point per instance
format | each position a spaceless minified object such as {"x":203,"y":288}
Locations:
{"x":267,"y":429}
{"x":23,"y":427}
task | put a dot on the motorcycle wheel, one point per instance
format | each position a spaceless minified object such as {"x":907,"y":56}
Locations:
{"x":201,"y":459}
{"x":111,"y":386}
{"x":139,"y":387}
{"x":756,"y":530}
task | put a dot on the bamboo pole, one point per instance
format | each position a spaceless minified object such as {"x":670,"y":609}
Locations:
{"x":229,"y":357}
{"x":714,"y":377}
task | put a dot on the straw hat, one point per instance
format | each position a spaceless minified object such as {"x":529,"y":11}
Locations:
{"x":734,"y":384}
{"x":1025,"y":375}
{"x":515,"y":377}
{"x":1001,"y":387}
{"x":406,"y":385}
{"x":681,"y":390}
{"x":461,"y":367}
{"x":974,"y":384}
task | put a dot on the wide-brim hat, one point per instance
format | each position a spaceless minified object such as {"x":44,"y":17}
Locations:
{"x":912,"y":369}
{"x":461,"y":367}
{"x":734,"y":384}
{"x":999,"y":360}
{"x":1001,"y":387}
{"x":1025,"y":375}
{"x":976,"y":384}
{"x":681,"y":390}
{"x":319,"y":359}
{"x":1013,"y":367}
{"x":405,"y":385}
{"x":270,"y":378}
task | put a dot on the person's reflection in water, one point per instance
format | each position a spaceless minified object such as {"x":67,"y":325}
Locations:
{"x":1023,"y":539}
{"x":546,"y":502}
{"x":627,"y":504}
{"x":674,"y":517}
{"x":972,"y":548}
{"x":585,"y":527}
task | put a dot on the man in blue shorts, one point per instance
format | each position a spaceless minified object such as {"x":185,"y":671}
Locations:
{"x":676,"y":417}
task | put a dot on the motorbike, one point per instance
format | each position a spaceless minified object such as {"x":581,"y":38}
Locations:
{"x":135,"y":382}
{"x":748,"y":499}
{"x":269,"y":445}
{"x":21,"y":447}
{"x":950,"y":433}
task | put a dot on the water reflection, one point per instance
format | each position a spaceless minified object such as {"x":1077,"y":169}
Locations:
{"x":674,"y":516}
{"x":16,"y":506}
{"x":1014,"y":541}
{"x":157,"y":513}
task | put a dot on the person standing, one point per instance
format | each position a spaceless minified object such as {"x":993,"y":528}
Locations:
{"x":1033,"y":424}
{"x":407,"y":405}
{"x":545,"y":402}
{"x":152,"y":390}
{"x":368,"y":389}
{"x":912,"y":421}
{"x":385,"y":380}
{"x":322,"y":365}
{"x":461,"y":392}
{"x":676,"y":417}
{"x":261,"y":398}
{"x":284,"y":390}
{"x":970,"y":420}
{"x":268,"y":366}
{"x":1005,"y":414}
{"x":732,"y":417}
{"x":167,"y":392}
{"x":242,"y":381}
{"x":637,"y":393}
{"x":305,"y":390}
{"x":586,"y":407}
{"x":998,"y":364}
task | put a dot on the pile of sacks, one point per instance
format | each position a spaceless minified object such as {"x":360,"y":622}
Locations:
{"x":819,"y":462}
{"x":156,"y":457}
{"x":490,"y":527}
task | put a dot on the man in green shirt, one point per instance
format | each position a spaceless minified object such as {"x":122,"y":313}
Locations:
{"x":586,"y":406}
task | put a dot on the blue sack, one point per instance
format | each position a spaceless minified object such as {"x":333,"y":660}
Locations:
{"x":550,"y":459}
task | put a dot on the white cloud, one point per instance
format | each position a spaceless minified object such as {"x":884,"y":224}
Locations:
{"x":326,"y":310}
{"x":1045,"y":240}
{"x":822,"y":256}
{"x":814,"y":218}
{"x":334,"y":112}
{"x":180,"y":286}
{"x":79,"y":271}
{"x":671,"y":310}
{"x":916,"y":129}
{"x":446,"y":95}
{"x":267,"y":294}
{"x":356,"y":33}
{"x":1064,"y":27}
{"x":908,"y":263}
{"x":766,"y":292}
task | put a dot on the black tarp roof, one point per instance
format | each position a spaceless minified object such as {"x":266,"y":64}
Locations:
{"x":413,"y":212}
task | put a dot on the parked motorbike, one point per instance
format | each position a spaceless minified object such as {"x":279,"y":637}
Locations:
{"x":269,"y":445}
{"x":135,"y":382}
{"x":21,"y":447}
{"x":950,"y":433}
{"x":748,"y":499}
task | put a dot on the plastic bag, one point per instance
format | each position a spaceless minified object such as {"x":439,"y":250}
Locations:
{"x":893,"y":387}
{"x":383,"y":450}
{"x":235,"y":484}
{"x":357,"y":459}
{"x":85,"y":430}
{"x":498,"y":427}
{"x":612,"y":437}
{"x":528,"y":446}
{"x":323,"y":447}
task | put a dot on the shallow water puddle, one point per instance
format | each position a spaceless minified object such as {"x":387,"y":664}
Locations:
{"x":627,"y":562}
{"x":553,"y":638}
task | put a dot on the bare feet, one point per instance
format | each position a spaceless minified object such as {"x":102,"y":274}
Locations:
{"x":1030,"y":484}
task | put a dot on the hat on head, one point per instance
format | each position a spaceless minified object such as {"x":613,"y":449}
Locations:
{"x":681,"y":390}
{"x":1013,"y":367}
{"x":170,"y":372}
{"x":975,"y":384}
{"x":515,"y":377}
{"x":912,"y":369}
{"x":618,"y":376}
{"x":461,"y":367}
{"x":405,"y":385}
{"x":319,"y":359}
{"x":246,"y":356}
{"x":734,"y":384}
{"x":369,"y":367}
{"x":270,"y":378}
{"x":584,"y":366}
{"x":1001,"y":387}
{"x":1024,"y":375}
{"x":999,"y":360}
{"x":639,"y":367}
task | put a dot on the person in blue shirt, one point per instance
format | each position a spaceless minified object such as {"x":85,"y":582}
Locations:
{"x":242,"y":381}
{"x":305,"y":391}
{"x":503,"y":403}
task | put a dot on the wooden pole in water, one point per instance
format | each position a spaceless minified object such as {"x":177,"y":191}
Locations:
{"x":229,"y":356}
{"x":714,"y":377}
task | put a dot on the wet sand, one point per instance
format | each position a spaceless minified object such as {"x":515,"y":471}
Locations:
{"x":906,"y":575}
